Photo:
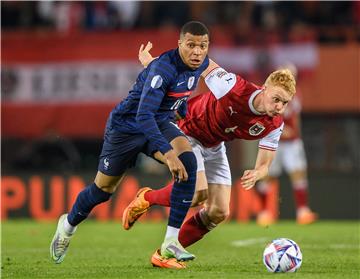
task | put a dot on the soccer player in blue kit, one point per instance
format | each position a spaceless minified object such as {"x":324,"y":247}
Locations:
{"x":143,"y":122}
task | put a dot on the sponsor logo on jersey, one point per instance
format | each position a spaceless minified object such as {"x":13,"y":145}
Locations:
{"x":232,"y":111}
{"x":256,"y":129}
{"x":179,"y":83}
{"x":156,"y":82}
{"x":231,"y":129}
{"x":191,"y":82}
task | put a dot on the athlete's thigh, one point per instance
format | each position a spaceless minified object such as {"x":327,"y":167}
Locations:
{"x":119,"y":151}
{"x":219,"y":197}
{"x":107,"y":183}
{"x":201,"y":181}
{"x":174,"y":136}
{"x":216,"y":164}
{"x":181,"y":145}
{"x":201,"y":189}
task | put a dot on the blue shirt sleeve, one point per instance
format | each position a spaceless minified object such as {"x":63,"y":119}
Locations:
{"x":182,"y":110}
{"x":156,"y":85}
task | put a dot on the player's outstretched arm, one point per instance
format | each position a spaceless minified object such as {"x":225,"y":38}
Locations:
{"x":263,"y":161}
{"x":145,"y":56}
{"x":212,"y":66}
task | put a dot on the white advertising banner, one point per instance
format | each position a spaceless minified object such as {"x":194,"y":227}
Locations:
{"x":67,"y":82}
{"x":103,"y":81}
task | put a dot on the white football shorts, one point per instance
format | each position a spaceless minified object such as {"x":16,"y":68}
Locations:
{"x":290,"y":156}
{"x":213,"y":161}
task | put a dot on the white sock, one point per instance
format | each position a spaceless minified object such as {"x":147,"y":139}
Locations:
{"x":68,"y":228}
{"x":172,"y":232}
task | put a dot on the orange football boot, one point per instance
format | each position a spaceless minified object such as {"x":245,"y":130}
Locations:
{"x":306,"y":217}
{"x":159,"y":261}
{"x":265,"y":219}
{"x":135,"y":209}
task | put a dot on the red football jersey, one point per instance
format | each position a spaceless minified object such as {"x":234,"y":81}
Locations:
{"x":226,"y":113}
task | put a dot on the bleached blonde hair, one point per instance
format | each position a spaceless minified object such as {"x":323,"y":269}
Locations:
{"x":283,"y":78}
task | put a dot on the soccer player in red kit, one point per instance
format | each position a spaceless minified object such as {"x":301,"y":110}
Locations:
{"x":233,"y":109}
{"x":291,"y":157}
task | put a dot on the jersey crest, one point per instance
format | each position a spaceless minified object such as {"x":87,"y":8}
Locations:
{"x":191,"y":82}
{"x":256,"y":129}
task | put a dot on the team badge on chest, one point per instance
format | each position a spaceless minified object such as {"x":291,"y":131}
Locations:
{"x":191,"y":82}
{"x":256,"y":129}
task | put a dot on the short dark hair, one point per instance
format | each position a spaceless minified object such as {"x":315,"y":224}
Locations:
{"x":194,"y":28}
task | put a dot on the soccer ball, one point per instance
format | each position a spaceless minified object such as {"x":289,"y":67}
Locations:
{"x":282,"y":255}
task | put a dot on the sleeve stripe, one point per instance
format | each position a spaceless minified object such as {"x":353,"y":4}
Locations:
{"x":179,"y":94}
{"x":267,"y":147}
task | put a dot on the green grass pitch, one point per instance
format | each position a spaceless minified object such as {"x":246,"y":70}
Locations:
{"x":105,"y":250}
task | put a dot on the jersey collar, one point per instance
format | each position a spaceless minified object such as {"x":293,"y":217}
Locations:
{"x":251,"y":100}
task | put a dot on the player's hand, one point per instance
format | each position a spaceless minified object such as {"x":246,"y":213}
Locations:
{"x":249,"y":179}
{"x":144,"y":54}
{"x":175,"y":166}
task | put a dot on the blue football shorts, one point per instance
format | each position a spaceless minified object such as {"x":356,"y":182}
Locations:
{"x":120,"y":149}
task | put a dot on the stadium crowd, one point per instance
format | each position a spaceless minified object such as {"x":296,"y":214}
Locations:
{"x":248,"y":22}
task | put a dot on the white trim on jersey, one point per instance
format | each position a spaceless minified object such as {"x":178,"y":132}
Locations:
{"x":220,"y":82}
{"x":271,"y":141}
{"x":251,"y":100}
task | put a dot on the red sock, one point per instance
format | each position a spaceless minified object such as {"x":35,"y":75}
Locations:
{"x":192,"y":231}
{"x":300,"y":189}
{"x":301,"y":197}
{"x":263,"y":191}
{"x":161,"y":196}
{"x":263,"y":200}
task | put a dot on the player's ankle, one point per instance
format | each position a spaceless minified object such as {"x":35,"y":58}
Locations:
{"x":68,"y":229}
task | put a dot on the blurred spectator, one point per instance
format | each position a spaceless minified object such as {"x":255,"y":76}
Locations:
{"x":123,"y":14}
{"x":249,"y":21}
{"x":20,"y":14}
{"x":68,"y":15}
{"x":173,"y":13}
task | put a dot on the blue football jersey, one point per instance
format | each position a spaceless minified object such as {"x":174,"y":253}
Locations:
{"x":159,"y":90}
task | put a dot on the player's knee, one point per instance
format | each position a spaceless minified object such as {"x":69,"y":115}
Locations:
{"x":108,"y":188}
{"x":107,"y":183}
{"x":218,"y":214}
{"x":189,"y":161}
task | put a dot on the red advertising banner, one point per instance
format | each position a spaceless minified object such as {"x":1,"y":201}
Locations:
{"x":40,"y":200}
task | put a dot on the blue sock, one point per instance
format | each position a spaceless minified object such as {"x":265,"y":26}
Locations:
{"x":183,"y":192}
{"x":85,"y":202}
